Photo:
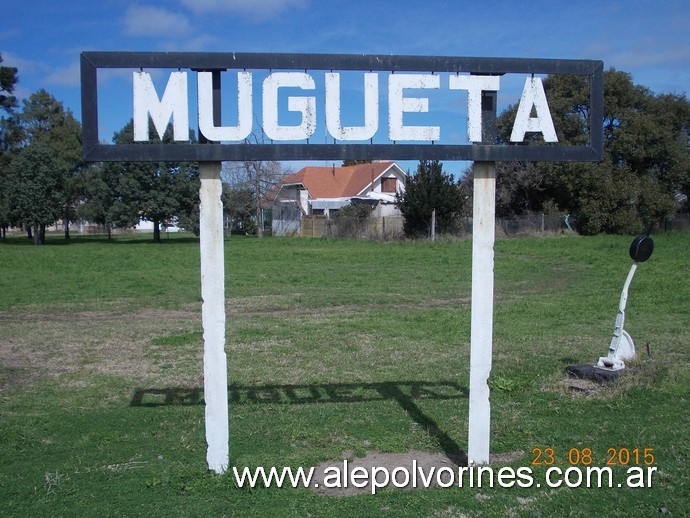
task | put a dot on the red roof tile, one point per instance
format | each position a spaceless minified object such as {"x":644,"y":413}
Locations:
{"x":337,"y":182}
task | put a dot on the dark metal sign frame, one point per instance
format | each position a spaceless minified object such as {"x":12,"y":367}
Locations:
{"x":96,"y":151}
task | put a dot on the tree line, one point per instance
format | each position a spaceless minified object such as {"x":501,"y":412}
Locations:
{"x":643,"y":180}
{"x":43,"y":177}
{"x":644,"y":174}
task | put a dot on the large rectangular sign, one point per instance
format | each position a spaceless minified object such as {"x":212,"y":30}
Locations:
{"x":294,"y":101}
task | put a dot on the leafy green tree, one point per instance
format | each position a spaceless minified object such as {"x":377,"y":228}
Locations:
{"x":64,"y":139}
{"x":187,"y":192}
{"x":97,"y":197}
{"x":519,"y":189}
{"x":36,"y":189}
{"x":646,"y":161}
{"x":8,"y":80}
{"x":8,"y":102}
{"x":159,"y":192}
{"x":428,"y":189}
{"x":44,"y":122}
{"x":5,"y":212}
{"x":347,"y":163}
{"x":10,"y":141}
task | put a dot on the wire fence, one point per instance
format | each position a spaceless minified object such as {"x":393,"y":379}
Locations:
{"x":391,"y":227}
{"x":680,"y":222}
{"x":291,"y":222}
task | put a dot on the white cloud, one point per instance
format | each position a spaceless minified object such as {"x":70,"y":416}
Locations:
{"x":6,"y":34}
{"x":154,"y":21}
{"x":261,"y":9}
{"x":647,"y":52}
{"x":192,"y":43}
{"x":35,"y":74}
{"x":65,"y":76}
{"x":651,"y":56}
{"x":10,"y":59}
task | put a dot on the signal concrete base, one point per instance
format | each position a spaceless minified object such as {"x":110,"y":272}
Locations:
{"x":591,"y":372}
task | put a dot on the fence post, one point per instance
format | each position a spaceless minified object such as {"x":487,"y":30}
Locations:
{"x":433,"y":225}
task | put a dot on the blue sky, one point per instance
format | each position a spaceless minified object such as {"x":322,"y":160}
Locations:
{"x":649,"y":39}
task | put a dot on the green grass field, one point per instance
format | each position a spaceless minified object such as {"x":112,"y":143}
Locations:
{"x":335,"y":348}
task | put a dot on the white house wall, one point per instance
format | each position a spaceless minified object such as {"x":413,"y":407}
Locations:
{"x":147,"y":226}
{"x":393,"y":171}
{"x":386,"y":210}
{"x":304,"y":201}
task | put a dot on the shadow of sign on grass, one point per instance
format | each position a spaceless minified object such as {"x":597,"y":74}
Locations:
{"x":404,"y":393}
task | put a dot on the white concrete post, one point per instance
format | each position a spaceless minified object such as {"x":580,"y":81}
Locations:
{"x":213,"y":317}
{"x":433,"y":225}
{"x":483,"y":234}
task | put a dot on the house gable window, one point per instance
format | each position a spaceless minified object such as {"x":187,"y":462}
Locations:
{"x":389,"y":184}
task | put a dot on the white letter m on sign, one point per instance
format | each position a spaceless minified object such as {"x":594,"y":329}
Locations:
{"x":173,"y":104}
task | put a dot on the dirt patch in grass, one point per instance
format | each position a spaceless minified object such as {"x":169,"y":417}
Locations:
{"x":61,"y":316}
{"x":581,"y":386}
{"x":73,"y":347}
{"x":285,"y":305}
{"x":638,"y":373}
{"x":155,"y":347}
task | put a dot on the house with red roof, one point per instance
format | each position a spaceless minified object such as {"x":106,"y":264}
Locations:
{"x":321,"y":191}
